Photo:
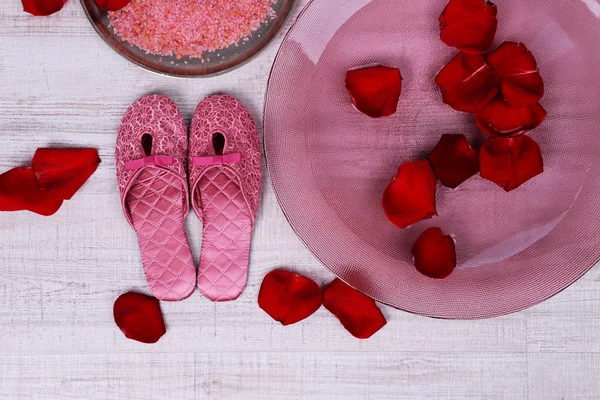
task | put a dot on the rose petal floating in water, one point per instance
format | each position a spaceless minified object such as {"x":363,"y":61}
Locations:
{"x":434,"y":254}
{"x":498,"y":119}
{"x":139,"y":317}
{"x":375,"y":90}
{"x":510,"y":162}
{"x":289,"y":297}
{"x":410,"y":197}
{"x":358,"y":313}
{"x":469,"y":25}
{"x":467,"y":83}
{"x":520,"y":80}
{"x":454,"y":160}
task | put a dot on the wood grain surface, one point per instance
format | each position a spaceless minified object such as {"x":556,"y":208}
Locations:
{"x":59,"y":276}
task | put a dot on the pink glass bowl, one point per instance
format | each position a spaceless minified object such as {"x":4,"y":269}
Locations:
{"x":330,"y":164}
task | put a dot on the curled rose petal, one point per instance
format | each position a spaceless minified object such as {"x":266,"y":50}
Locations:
{"x":358,"y":313}
{"x":498,"y":119}
{"x":63,"y":171}
{"x":410,"y":197}
{"x":520,"y":80}
{"x":289,"y":297}
{"x":375,"y":90}
{"x":510,"y":162}
{"x":467,"y":83}
{"x":42,"y":7}
{"x":139,"y":317}
{"x":434,"y":254}
{"x":469,"y":25}
{"x":19,"y":190}
{"x":454,"y":160}
{"x":112,"y":5}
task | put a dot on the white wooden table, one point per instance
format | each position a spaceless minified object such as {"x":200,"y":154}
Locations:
{"x":59,"y":276}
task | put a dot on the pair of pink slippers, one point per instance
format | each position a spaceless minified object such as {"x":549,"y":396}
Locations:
{"x":222,"y":160}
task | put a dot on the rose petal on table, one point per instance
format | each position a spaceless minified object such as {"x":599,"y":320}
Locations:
{"x":454,"y":160}
{"x":467,"y":83}
{"x":112,"y":5}
{"x":434,"y":254}
{"x":63,"y":171}
{"x":19,"y":190}
{"x":139,"y":317}
{"x":469,"y":25}
{"x":498,"y":119}
{"x":410,"y":197}
{"x":375,"y":90}
{"x":41,"y":8}
{"x":520,"y":80}
{"x":358,"y":313}
{"x":289,"y":297}
{"x":510,"y":162}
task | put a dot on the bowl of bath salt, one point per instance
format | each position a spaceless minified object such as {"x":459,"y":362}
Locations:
{"x":190,"y":38}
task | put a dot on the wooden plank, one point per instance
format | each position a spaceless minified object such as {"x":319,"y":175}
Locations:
{"x":98,"y":376}
{"x":265,"y":375}
{"x":564,"y":376}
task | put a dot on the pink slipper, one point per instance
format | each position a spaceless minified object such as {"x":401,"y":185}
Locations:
{"x":225,"y":179}
{"x":151,"y":157}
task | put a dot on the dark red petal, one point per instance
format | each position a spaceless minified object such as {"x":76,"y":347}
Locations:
{"x":520,"y":79}
{"x":410,"y":197}
{"x":289,"y":297}
{"x":358,"y":313}
{"x":454,"y":160}
{"x":467,"y":83}
{"x":112,"y":5}
{"x":63,"y":171}
{"x":19,"y":190}
{"x":139,"y":317}
{"x":510,"y":162}
{"x":498,"y":119}
{"x":434,"y":254}
{"x":469,"y":25}
{"x":42,"y":7}
{"x":375,"y":90}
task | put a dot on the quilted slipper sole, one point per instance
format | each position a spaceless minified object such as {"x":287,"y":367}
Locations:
{"x":226,"y":235}
{"x":154,"y":202}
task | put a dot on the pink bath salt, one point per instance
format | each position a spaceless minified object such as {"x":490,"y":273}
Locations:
{"x":189,"y":28}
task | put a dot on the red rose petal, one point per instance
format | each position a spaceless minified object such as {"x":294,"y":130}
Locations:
{"x":498,"y":119}
{"x":434,"y":254}
{"x":375,"y":90}
{"x":410,"y":197}
{"x":467,"y":83}
{"x":358,"y":313}
{"x":289,"y":297}
{"x":112,"y":5}
{"x":19,"y":190}
{"x":520,"y":79}
{"x":454,"y":160}
{"x":63,"y":171}
{"x":469,"y":25}
{"x":42,"y":7}
{"x":510,"y":162}
{"x":139,"y":317}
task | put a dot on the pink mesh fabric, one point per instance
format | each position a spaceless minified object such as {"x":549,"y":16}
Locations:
{"x":155,"y":198}
{"x":225,"y":196}
{"x":330,"y":164}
